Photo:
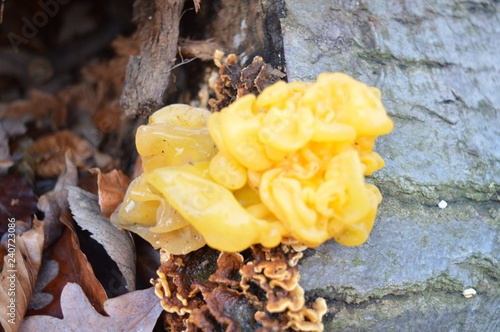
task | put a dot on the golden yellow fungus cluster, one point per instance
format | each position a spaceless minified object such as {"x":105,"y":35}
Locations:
{"x":175,"y":136}
{"x":290,"y":162}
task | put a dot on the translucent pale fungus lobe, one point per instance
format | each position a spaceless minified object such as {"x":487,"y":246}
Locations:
{"x":175,"y":135}
{"x":288,"y":163}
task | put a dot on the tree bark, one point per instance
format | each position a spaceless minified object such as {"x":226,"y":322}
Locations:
{"x":437,"y":65}
{"x":148,"y":73}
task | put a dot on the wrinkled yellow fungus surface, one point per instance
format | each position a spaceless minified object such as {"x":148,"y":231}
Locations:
{"x":288,"y":163}
{"x":175,"y":135}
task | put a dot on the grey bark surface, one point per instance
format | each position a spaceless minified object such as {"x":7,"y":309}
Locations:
{"x":437,"y":64}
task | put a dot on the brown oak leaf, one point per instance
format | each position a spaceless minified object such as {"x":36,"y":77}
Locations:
{"x":19,"y":273}
{"x":112,"y":188}
{"x":39,"y":105}
{"x":134,"y":311}
{"x":49,"y":152}
{"x":54,"y":204}
{"x":73,"y":266}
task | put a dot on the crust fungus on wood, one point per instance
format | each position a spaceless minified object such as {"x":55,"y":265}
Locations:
{"x":266,"y":288}
{"x":235,"y":81}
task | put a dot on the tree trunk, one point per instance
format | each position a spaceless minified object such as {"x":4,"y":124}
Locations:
{"x":437,"y":64}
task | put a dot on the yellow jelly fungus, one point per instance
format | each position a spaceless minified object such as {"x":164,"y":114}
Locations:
{"x":213,"y":210}
{"x":288,"y":163}
{"x":175,"y":135}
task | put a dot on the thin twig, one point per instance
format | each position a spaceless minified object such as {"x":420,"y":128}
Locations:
{"x":183,"y":62}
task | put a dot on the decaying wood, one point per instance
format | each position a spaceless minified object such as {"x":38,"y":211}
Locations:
{"x":147,"y":74}
{"x":248,"y":29}
{"x":201,"y":49}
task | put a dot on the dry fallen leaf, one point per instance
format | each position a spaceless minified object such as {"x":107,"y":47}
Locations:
{"x":88,"y":182}
{"x":200,"y":49}
{"x":40,"y":104}
{"x":118,"y":243}
{"x":54,"y":204}
{"x":112,"y":188}
{"x":73,"y":266}
{"x":135,"y":311}
{"x":49,"y":152}
{"x":39,"y":299}
{"x":18,"y":276}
